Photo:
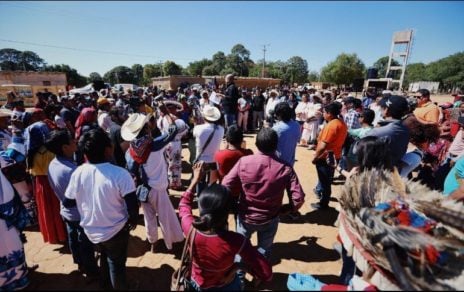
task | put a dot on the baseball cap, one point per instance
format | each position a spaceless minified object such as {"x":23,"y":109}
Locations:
{"x":397,"y":105}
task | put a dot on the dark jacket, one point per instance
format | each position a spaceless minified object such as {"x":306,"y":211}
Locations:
{"x":229,"y":102}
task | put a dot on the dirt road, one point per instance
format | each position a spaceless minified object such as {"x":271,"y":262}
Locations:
{"x":304,"y":246}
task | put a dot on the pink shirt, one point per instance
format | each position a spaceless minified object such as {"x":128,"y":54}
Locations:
{"x":214,"y":254}
{"x":263,"y":180}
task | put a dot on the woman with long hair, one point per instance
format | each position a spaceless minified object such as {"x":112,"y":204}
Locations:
{"x":214,"y":246}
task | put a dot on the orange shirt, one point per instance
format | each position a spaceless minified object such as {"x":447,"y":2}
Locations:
{"x":334,"y":135}
{"x":428,"y":112}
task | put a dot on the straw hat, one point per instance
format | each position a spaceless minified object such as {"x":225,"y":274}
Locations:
{"x":5,"y":113}
{"x":132,"y":126}
{"x":211,"y":113}
{"x":102,"y":101}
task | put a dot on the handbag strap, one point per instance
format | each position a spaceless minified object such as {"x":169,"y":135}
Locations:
{"x":206,"y":144}
{"x":187,"y":251}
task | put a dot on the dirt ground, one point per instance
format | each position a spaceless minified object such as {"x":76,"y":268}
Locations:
{"x":303,"y":245}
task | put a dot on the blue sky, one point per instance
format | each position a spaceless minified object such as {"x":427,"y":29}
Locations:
{"x":151,"y":32}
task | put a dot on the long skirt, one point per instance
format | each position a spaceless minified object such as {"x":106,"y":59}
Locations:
{"x":13,"y":269}
{"x":48,"y":208}
{"x":159,"y":203}
{"x":174,"y":152}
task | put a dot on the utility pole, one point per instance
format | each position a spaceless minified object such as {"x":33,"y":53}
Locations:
{"x":264,"y":59}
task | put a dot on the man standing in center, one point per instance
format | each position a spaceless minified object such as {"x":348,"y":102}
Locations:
{"x":229,"y":102}
{"x":262,"y":179}
{"x":331,"y":138}
{"x":288,"y":131}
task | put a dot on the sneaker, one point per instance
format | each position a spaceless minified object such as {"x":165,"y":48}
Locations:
{"x":318,"y":206}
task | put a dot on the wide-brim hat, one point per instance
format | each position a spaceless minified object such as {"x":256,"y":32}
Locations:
{"x":211,"y":113}
{"x":172,"y":103}
{"x":132,"y":126}
{"x":5,"y":113}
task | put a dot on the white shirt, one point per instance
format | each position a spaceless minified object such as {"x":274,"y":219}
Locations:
{"x":201,"y":134}
{"x":270,"y":105}
{"x":156,"y":168}
{"x":104,"y":121}
{"x":301,"y":111}
{"x":242,"y":103}
{"x":99,"y":191}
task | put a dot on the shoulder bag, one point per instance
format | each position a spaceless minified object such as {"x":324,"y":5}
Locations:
{"x":180,"y":280}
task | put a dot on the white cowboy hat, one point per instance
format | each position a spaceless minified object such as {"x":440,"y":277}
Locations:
{"x":132,"y":126}
{"x":5,"y":113}
{"x":178,"y":105}
{"x":211,"y":113}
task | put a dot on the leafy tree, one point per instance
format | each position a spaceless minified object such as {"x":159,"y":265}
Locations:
{"x":238,"y":60}
{"x":94,"y":76}
{"x":209,"y":71}
{"x":14,"y":60}
{"x":171,"y":68}
{"x":382,"y":64}
{"x":137,"y":69}
{"x":119,"y":74}
{"x":343,"y":70}
{"x":196,"y":68}
{"x":72,"y":76}
{"x":313,"y":76}
{"x":219,"y":62}
{"x":150,"y":71}
{"x":297,"y":70}
{"x":414,"y":72}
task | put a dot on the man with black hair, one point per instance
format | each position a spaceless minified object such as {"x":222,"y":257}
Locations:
{"x":262,"y":179}
{"x":288,"y":131}
{"x":393,"y":109}
{"x":330,"y":140}
{"x":229,"y":102}
{"x":426,"y":112}
{"x":106,"y":200}
{"x":63,"y":145}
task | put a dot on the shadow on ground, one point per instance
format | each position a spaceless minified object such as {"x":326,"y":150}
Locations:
{"x":325,"y":217}
{"x":304,"y":249}
{"x":139,"y":278}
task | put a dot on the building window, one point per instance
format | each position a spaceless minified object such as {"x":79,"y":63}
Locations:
{"x":46,"y":83}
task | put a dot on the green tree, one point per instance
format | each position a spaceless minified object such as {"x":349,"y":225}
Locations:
{"x":382,"y":64}
{"x":72,"y":76}
{"x":343,"y":70}
{"x":119,"y":74}
{"x":219,"y":63}
{"x":137,"y":69}
{"x":297,"y":70}
{"x":238,"y":60}
{"x":313,"y":76}
{"x":209,"y":71}
{"x":14,"y":60}
{"x":94,"y":76}
{"x":171,"y":68}
{"x":196,"y":68}
{"x":414,"y":72}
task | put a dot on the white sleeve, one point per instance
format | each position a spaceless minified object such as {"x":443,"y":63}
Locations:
{"x":126,"y":183}
{"x":73,"y":187}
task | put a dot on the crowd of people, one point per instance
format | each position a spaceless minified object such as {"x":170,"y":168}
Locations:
{"x":80,"y":166}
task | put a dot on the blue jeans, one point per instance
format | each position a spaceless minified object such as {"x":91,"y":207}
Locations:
{"x":82,"y":249}
{"x":113,"y":259}
{"x":325,"y":174}
{"x":266,"y":233}
{"x":348,"y":268}
{"x":232,"y":286}
{"x":230,"y":119}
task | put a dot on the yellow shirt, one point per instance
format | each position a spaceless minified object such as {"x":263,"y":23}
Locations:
{"x":428,"y":112}
{"x":41,"y":161}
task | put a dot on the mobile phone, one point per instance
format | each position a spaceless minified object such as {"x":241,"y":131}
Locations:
{"x":210,"y":166}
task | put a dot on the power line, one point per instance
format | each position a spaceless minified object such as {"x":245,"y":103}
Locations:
{"x":91,"y":51}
